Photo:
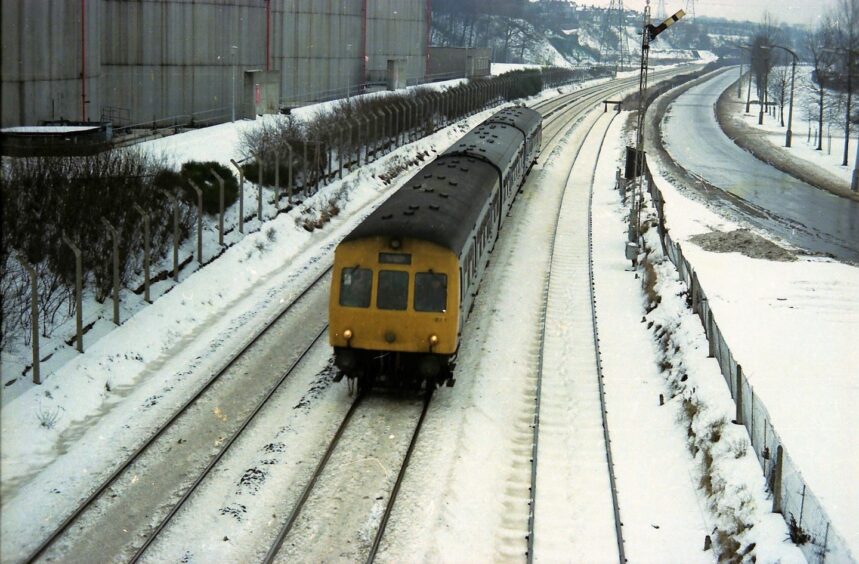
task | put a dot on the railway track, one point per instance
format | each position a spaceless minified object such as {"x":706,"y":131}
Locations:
{"x":100,"y":509}
{"x":310,"y":518}
{"x":570,"y":278}
{"x":106,"y":509}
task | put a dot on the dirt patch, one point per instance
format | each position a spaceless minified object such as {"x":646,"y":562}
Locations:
{"x":742,"y":241}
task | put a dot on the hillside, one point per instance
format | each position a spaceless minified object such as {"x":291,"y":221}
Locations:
{"x":562,"y":33}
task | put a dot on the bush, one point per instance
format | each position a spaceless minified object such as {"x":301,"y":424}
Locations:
{"x":200,"y":173}
{"x":46,"y":196}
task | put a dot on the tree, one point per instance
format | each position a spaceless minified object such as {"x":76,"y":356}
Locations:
{"x":819,"y":43}
{"x":846,"y":39}
{"x":762,"y":57}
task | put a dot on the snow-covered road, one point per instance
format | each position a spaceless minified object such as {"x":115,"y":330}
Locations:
{"x":801,"y":214}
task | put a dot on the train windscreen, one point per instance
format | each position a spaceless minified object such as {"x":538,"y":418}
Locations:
{"x":430,"y":291}
{"x":355,"y":286}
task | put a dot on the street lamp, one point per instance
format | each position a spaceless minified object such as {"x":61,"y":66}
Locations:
{"x":233,"y":51}
{"x":789,"y":134}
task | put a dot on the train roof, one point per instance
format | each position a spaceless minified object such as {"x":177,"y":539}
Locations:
{"x":440,"y":204}
{"x":520,"y":117}
{"x":496,"y":143}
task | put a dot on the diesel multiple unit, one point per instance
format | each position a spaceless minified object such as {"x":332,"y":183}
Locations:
{"x":404,"y":280}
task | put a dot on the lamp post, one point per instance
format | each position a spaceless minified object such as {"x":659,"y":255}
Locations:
{"x":789,"y":135}
{"x":233,"y":51}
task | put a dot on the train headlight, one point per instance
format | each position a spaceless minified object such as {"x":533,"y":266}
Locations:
{"x":395,"y":243}
{"x":433,"y":340}
{"x":347,"y":334}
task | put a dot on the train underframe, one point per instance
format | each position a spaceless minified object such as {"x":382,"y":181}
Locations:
{"x":394,"y":370}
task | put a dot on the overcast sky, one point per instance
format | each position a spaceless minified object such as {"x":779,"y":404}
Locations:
{"x":789,"y":11}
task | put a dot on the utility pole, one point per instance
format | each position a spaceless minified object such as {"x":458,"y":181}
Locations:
{"x":613,"y":22}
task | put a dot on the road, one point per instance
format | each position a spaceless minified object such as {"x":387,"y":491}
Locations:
{"x":801,"y":214}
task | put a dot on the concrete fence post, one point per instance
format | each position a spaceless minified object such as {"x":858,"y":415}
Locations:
{"x":259,"y":188}
{"x":277,"y":180}
{"x":175,"y":201}
{"x":289,"y":183}
{"x":220,"y":206}
{"x":79,"y":288}
{"x":738,"y":397}
{"x":199,"y":220}
{"x":115,"y":236}
{"x":304,"y":172}
{"x":779,"y":461}
{"x":241,"y":196}
{"x":34,"y":315}
{"x":146,"y":251}
{"x":696,"y":293}
{"x":316,"y":162}
{"x":340,"y":149}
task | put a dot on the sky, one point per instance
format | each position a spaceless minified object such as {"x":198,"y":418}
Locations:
{"x":788,"y":11}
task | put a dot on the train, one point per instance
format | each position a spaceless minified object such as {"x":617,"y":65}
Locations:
{"x":404,"y":280}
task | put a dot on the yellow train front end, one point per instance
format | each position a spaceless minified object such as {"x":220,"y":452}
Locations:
{"x":394,"y":311}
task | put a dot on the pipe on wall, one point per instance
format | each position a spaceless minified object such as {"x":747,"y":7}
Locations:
{"x":364,"y":43}
{"x":267,"y":35}
{"x":83,"y":61}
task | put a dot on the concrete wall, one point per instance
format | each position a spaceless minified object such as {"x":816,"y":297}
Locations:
{"x":456,"y":61}
{"x":166,"y":60}
{"x":43,"y":56}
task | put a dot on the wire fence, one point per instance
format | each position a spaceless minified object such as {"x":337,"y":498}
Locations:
{"x":809,"y":525}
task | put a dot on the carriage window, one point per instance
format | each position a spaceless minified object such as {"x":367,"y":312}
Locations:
{"x":430,"y":291}
{"x":393,"y":289}
{"x":355,"y":285}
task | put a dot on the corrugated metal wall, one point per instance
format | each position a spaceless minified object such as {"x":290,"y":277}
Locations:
{"x":163,"y":59}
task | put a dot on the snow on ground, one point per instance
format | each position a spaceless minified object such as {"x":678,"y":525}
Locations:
{"x":165,"y":351}
{"x":804,"y":140}
{"x":792,"y":326}
{"x":98,"y":393}
{"x":501,"y":68}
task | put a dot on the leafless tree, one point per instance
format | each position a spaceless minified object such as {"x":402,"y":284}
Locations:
{"x":846,"y":45}
{"x":819,"y":43}
{"x":762,"y":56}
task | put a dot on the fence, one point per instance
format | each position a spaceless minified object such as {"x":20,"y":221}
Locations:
{"x":808,"y":523}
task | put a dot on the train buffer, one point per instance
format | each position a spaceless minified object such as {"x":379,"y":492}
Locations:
{"x":617,"y":104}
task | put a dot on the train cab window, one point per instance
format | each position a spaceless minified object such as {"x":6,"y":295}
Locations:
{"x":393,"y":289}
{"x":355,"y":286}
{"x":430,"y":291}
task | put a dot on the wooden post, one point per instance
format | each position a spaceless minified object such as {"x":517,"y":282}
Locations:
{"x":241,"y":196}
{"x":779,"y":461}
{"x":34,"y":315}
{"x":115,"y":237}
{"x":199,"y":220}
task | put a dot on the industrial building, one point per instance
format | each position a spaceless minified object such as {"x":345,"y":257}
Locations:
{"x":167,"y":62}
